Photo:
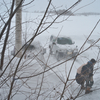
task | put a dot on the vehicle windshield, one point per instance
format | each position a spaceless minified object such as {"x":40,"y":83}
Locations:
{"x":30,"y":47}
{"x":63,"y":40}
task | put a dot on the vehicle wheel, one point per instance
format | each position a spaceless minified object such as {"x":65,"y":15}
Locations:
{"x":50,"y":50}
{"x":74,"y":54}
{"x":57,"y":56}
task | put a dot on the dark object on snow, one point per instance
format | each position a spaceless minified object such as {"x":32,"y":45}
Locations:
{"x":62,"y":47}
{"x":88,"y":90}
{"x":85,"y":74}
{"x":32,"y":49}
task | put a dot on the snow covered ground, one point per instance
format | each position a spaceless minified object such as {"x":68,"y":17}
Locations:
{"x":54,"y":79}
{"x":30,"y":81}
{"x":63,"y":69}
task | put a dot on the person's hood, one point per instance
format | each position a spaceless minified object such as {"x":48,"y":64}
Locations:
{"x":90,"y":64}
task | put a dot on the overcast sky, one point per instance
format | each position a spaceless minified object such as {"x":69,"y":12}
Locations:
{"x":40,"y":5}
{"x":64,"y":4}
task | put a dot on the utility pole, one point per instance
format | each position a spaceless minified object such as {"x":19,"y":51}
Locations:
{"x":18,"y":31}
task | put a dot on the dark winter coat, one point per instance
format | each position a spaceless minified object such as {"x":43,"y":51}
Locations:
{"x":86,"y":71}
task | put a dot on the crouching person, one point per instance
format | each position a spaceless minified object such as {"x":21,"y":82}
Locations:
{"x":85,"y":74}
